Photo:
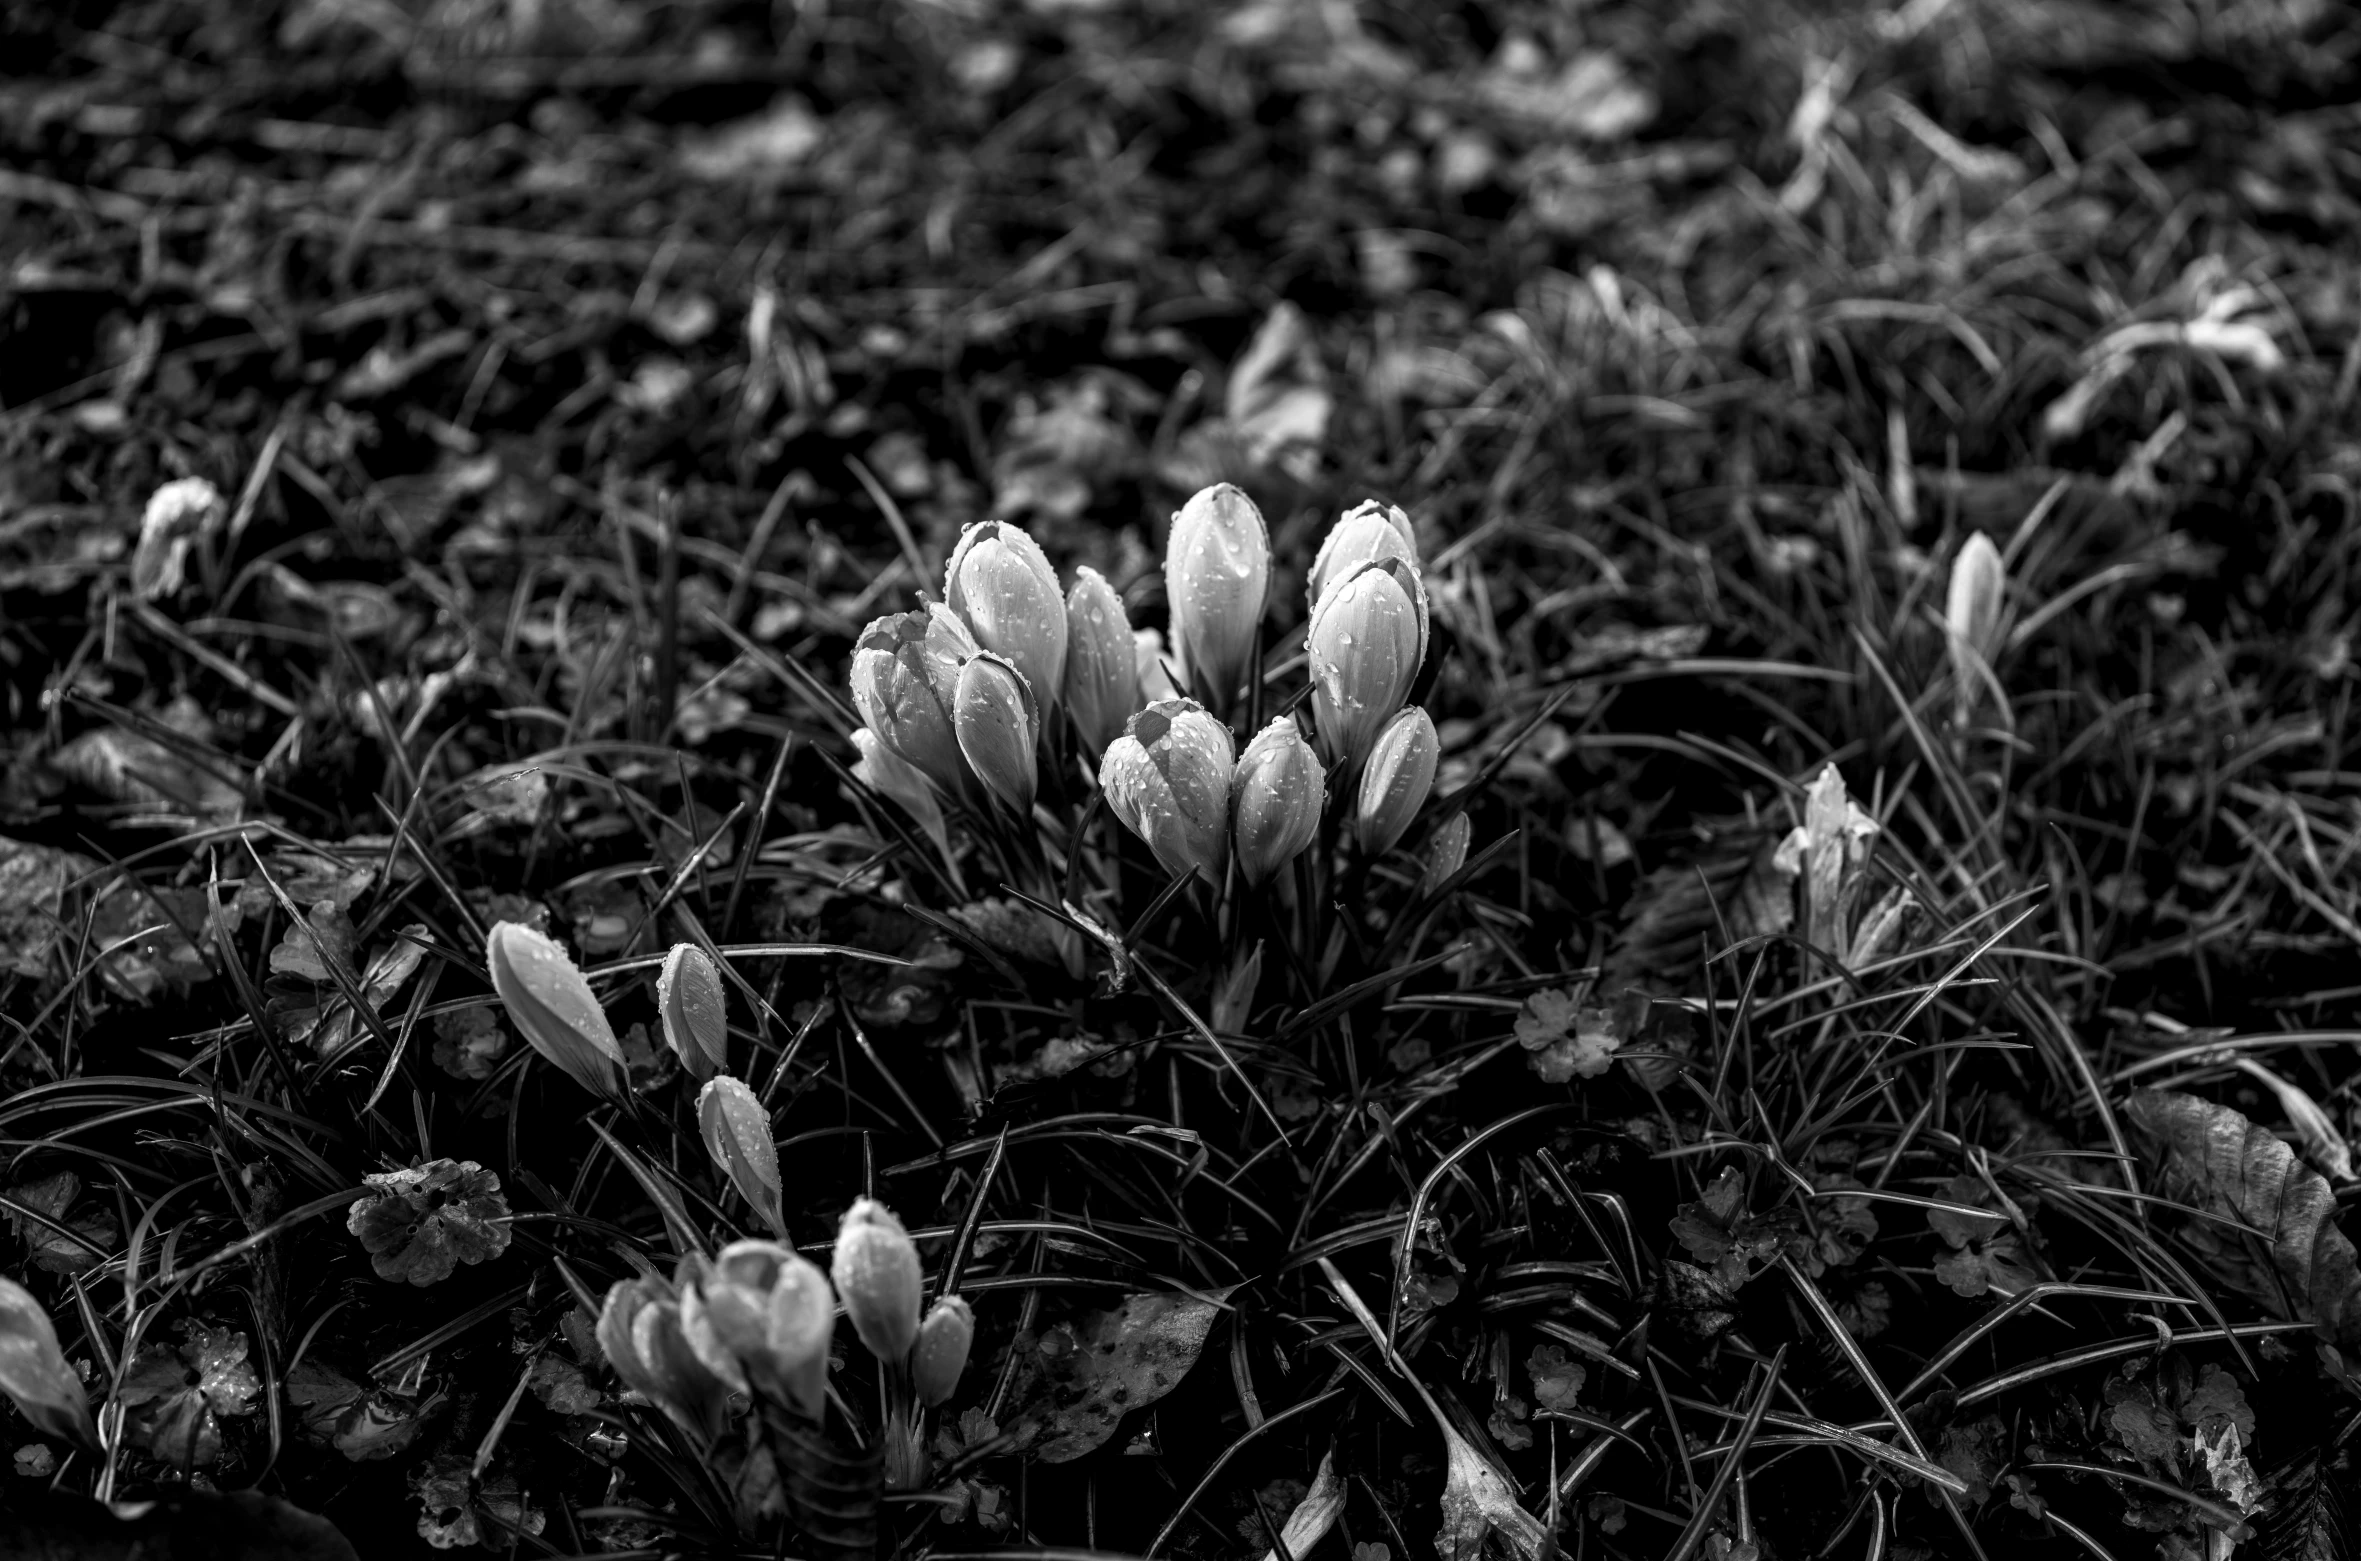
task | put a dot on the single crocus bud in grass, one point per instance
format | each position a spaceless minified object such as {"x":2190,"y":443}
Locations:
{"x":1217,"y":569}
{"x":759,"y":1316}
{"x":552,"y":1007}
{"x":1168,"y":779}
{"x":998,"y":724}
{"x":1369,"y":531}
{"x":905,"y":678}
{"x":737,"y":1134}
{"x":1394,"y":785}
{"x":876,"y":1272}
{"x":941,"y":1352}
{"x":695,"y":1014}
{"x":1367,"y":639}
{"x":1278,"y":789}
{"x":1102,"y":661}
{"x":34,"y":1373}
{"x":639,"y":1329}
{"x":1445,"y":854}
{"x":1000,"y":583}
{"x":1971,"y":615}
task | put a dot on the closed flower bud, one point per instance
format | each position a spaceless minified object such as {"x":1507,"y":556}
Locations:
{"x":1367,"y":639}
{"x":941,"y":1352}
{"x":1217,"y":569}
{"x":1445,"y":854}
{"x":1001,"y":585}
{"x":876,"y":1272}
{"x":639,"y":1329}
{"x":905,"y":677}
{"x":1278,"y":790}
{"x":696,"y":1016}
{"x":1971,"y":617}
{"x":998,"y":723}
{"x":552,"y":1007}
{"x":1155,"y":665}
{"x":759,"y":1316}
{"x":737,"y":1134}
{"x":34,"y":1373}
{"x":1400,"y":773}
{"x":1168,"y":779}
{"x":1369,"y":531}
{"x":1102,"y":661}
{"x":891,"y":776}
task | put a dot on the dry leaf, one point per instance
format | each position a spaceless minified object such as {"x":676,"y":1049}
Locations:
{"x":1313,"y":1516}
{"x":1077,"y":1379}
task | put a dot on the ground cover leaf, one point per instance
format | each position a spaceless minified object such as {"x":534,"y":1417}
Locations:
{"x":2214,"y":1159}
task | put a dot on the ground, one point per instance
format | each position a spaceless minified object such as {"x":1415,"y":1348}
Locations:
{"x":1884,"y":488}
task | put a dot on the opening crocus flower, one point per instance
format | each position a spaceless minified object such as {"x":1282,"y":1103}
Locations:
{"x":876,"y":1271}
{"x":1102,"y":661}
{"x":639,"y":1330}
{"x":1367,"y":639}
{"x":554,"y":1008}
{"x":998,"y":723}
{"x":1002,"y":587}
{"x":694,"y":1011}
{"x":1217,"y":570}
{"x":905,"y":679}
{"x":1278,"y":791}
{"x":1394,"y":785}
{"x":1168,"y":779}
{"x":759,"y":1316}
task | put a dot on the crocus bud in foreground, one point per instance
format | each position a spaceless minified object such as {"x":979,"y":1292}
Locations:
{"x":876,"y":1272}
{"x":759,"y":1316}
{"x":1278,"y":790}
{"x":1102,"y":661}
{"x":737,"y":1133}
{"x":1001,"y":585}
{"x":1394,"y":786}
{"x":890,"y":775}
{"x":941,"y":1352}
{"x":1168,"y":779}
{"x":34,"y":1373}
{"x":1369,"y":531}
{"x":998,"y":724}
{"x":905,"y":676}
{"x":1367,"y":639}
{"x":552,"y":1007}
{"x":639,"y":1329}
{"x":1445,"y":854}
{"x":1217,"y":569}
{"x":695,"y":1014}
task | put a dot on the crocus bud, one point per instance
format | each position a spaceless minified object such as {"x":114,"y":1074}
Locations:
{"x":1369,"y":531}
{"x":905,"y":677}
{"x":890,"y":775}
{"x":1102,"y":661}
{"x":1971,"y":616}
{"x":1155,"y":665}
{"x":1000,"y":583}
{"x":1278,"y":789}
{"x":696,"y":1015}
{"x":941,"y":1352}
{"x":1168,"y":779}
{"x":1217,"y":569}
{"x":1445,"y":854}
{"x":552,"y":1007}
{"x":34,"y":1373}
{"x":1400,"y":773}
{"x":759,"y":1316}
{"x":876,"y":1272}
{"x":737,"y":1134}
{"x":1367,"y":639}
{"x":998,"y":723}
{"x":639,"y":1329}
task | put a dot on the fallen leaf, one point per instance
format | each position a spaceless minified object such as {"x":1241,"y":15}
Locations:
{"x":1313,"y":1516}
{"x":1076,"y":1380}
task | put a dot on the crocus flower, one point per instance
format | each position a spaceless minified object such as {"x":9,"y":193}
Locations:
{"x":737,"y":1133}
{"x":1102,"y":661}
{"x":876,"y":1271}
{"x":905,"y":678}
{"x":1217,"y":570}
{"x":1368,"y":532}
{"x":759,"y":1316}
{"x":639,"y":1330}
{"x":1278,"y":791}
{"x":694,"y":1011}
{"x":1367,"y":638}
{"x":998,"y":723}
{"x":940,"y":1355}
{"x":553,"y":1007}
{"x":1168,"y":779}
{"x":1000,"y":584}
{"x":1395,"y":783}
{"x":890,"y":775}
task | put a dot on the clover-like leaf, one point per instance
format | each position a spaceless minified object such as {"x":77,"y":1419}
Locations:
{"x":177,"y":1397}
{"x":420,"y":1224}
{"x":1567,"y":1040}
